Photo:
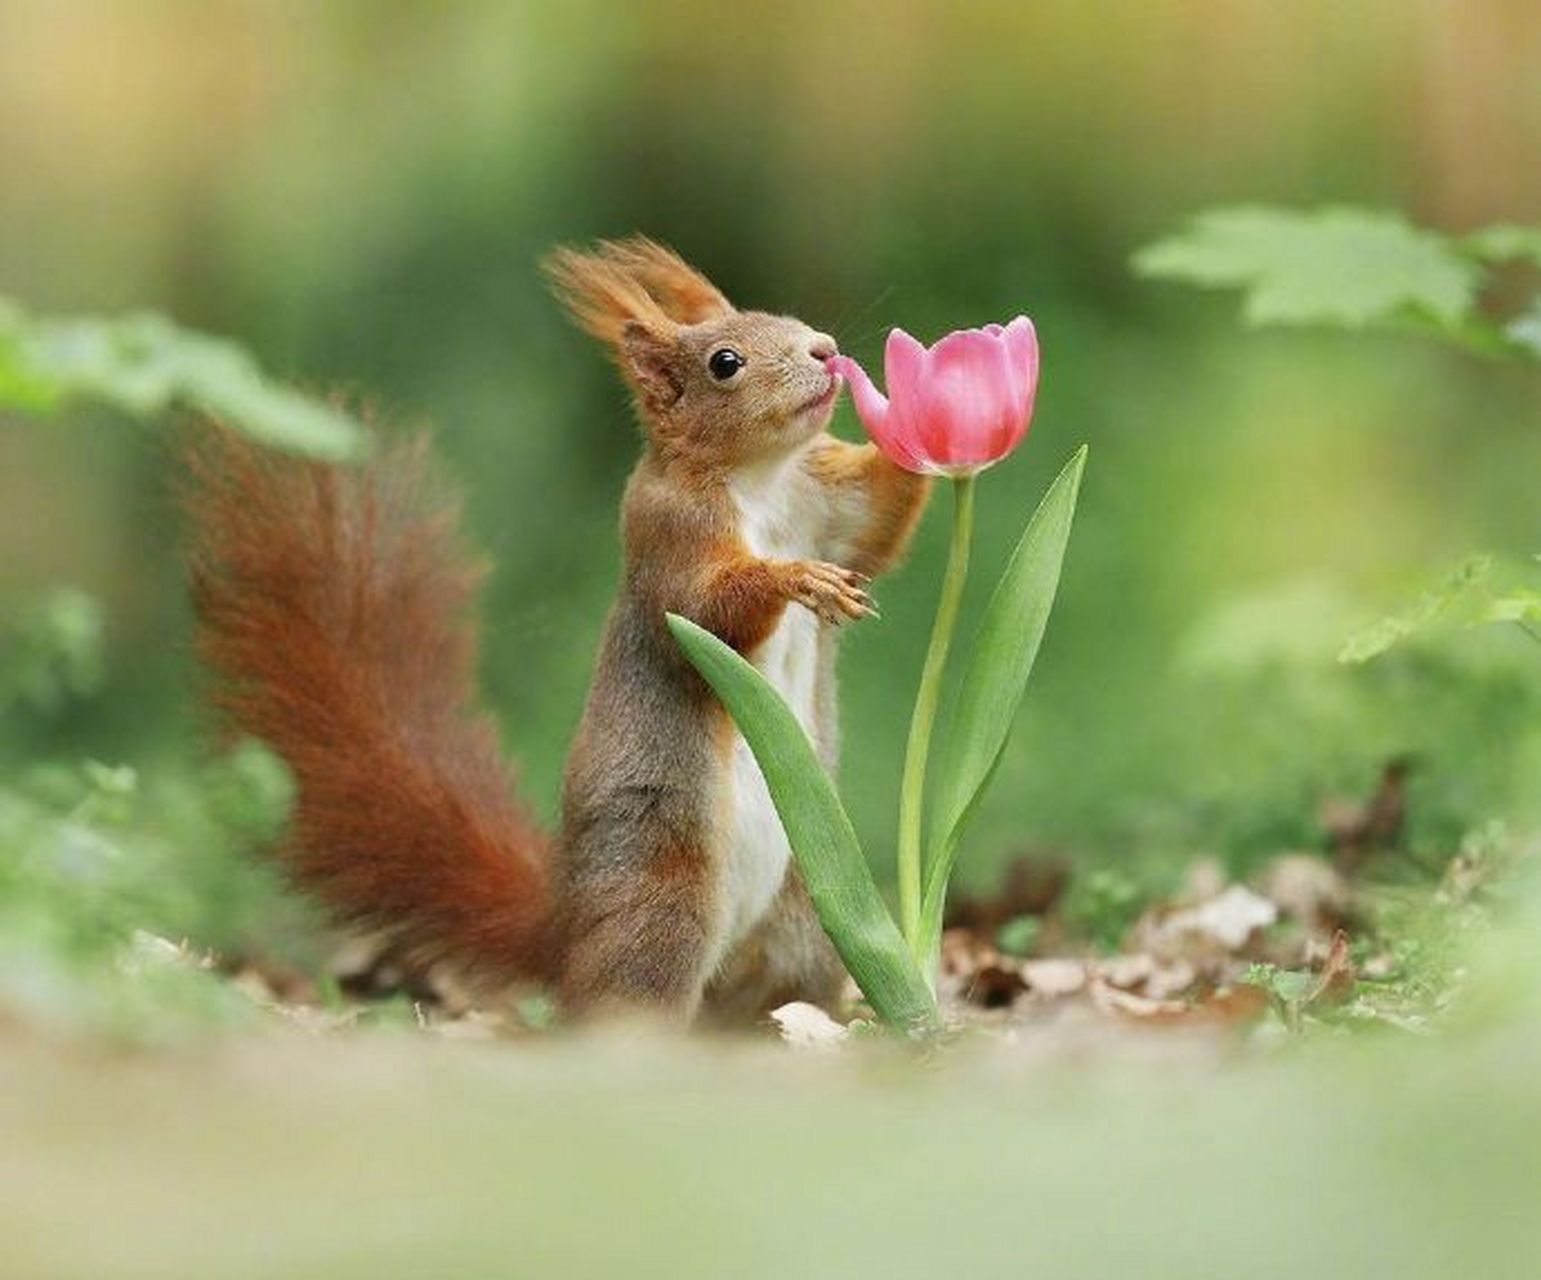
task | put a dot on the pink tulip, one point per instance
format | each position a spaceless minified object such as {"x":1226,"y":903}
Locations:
{"x":952,"y":409}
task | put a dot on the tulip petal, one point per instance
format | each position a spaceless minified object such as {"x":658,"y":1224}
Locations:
{"x":876,"y":412}
{"x":904,"y":368}
{"x":1022,"y":350}
{"x":970,"y":406}
{"x":1022,"y":345}
{"x":871,"y":405}
{"x":904,"y":363}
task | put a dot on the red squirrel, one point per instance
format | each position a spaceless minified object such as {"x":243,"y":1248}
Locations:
{"x":332,"y":609}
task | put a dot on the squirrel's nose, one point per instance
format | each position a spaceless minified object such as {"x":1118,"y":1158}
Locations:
{"x":821,"y":347}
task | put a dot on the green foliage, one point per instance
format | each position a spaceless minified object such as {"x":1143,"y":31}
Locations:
{"x":993,"y":682}
{"x":98,"y":871}
{"x":111,"y":886}
{"x":1286,"y":987}
{"x":1349,"y":267}
{"x":1522,"y":607}
{"x":836,"y":872}
{"x":1301,"y":998}
{"x":1334,"y":265}
{"x":1414,"y":943}
{"x":1269,"y":723}
{"x":1102,"y":905}
{"x":1485,"y":886}
{"x":1463,"y":710}
{"x":1462,"y":598}
{"x":144,"y":365}
{"x":51,"y":650}
{"x":1505,"y":242}
{"x":1428,"y":609}
{"x":1017,"y":936}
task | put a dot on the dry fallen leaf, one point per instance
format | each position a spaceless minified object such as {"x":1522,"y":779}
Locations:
{"x":1216,"y":929}
{"x":1054,"y":979}
{"x":1239,"y":1003}
{"x":1170,"y":980}
{"x":1308,"y":889}
{"x":1204,"y":879}
{"x":1142,"y":973}
{"x":1112,"y":1001}
{"x":1336,"y":983}
{"x":1127,"y":972}
{"x":806,"y":1026}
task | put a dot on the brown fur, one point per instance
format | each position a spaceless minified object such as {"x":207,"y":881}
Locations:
{"x":889,"y":500}
{"x":332,"y":605}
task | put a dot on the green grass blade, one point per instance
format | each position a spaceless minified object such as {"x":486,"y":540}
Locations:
{"x":994,"y":680}
{"x":822,"y":838}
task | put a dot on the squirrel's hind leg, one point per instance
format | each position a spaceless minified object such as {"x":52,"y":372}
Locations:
{"x":787,"y":956}
{"x":637,"y":941}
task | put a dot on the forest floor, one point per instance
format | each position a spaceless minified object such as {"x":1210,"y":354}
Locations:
{"x":1327,"y":1067}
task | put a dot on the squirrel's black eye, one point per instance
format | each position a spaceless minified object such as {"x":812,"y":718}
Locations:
{"x":724,"y":363}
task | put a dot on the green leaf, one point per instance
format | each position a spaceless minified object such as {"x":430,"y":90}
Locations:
{"x":1428,"y":610}
{"x":994,"y":680}
{"x":1517,"y":606}
{"x":1506,"y":242}
{"x":822,"y":838}
{"x":20,"y":386}
{"x":1289,"y":986}
{"x":1341,"y":266}
{"x":144,"y":366}
{"x":51,"y":651}
{"x":1017,"y":936}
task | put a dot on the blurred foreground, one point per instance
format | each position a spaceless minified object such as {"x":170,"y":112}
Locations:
{"x":293,"y":1157}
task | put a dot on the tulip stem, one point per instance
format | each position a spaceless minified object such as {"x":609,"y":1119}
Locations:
{"x":912,"y":788}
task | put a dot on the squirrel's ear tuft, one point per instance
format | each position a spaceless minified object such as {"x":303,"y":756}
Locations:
{"x":603,"y":298}
{"x":632,"y":281}
{"x":686,"y":296}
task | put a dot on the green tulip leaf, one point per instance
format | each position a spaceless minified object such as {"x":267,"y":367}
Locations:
{"x":994,"y":680}
{"x":823,"y":841}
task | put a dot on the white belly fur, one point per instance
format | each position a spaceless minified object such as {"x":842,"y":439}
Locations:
{"x":778,"y":520}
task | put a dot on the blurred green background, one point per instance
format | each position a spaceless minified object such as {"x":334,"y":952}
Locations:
{"x":360,"y":192}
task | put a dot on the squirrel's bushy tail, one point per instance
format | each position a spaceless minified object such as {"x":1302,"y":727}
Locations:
{"x":332,"y":610}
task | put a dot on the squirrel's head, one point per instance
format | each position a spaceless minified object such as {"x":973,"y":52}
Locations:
{"x":712,"y":383}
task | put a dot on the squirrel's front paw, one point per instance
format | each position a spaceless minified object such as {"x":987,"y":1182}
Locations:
{"x":835,"y":594}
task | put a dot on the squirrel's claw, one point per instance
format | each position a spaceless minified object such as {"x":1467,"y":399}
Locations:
{"x":835,"y":594}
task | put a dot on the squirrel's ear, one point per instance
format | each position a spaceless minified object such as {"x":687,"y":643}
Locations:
{"x":686,"y":296}
{"x":648,"y":359}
